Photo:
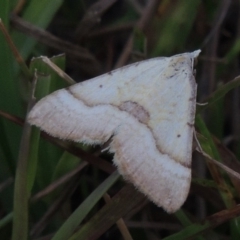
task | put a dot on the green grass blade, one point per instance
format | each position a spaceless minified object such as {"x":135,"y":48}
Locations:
{"x":80,"y":213}
{"x":21,"y":194}
{"x":39,"y":13}
{"x":219,"y":94}
{"x":176,"y":26}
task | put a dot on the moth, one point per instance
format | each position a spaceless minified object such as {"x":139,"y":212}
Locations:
{"x":146,"y":109}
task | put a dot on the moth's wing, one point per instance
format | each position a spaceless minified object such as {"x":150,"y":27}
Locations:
{"x":147,"y":108}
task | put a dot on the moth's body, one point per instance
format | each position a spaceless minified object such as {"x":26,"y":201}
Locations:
{"x":148,"y":109}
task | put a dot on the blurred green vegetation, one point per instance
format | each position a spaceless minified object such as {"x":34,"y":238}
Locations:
{"x":52,"y":189}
